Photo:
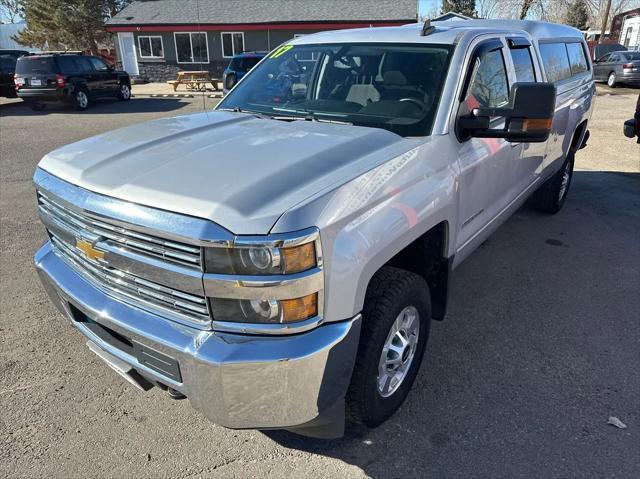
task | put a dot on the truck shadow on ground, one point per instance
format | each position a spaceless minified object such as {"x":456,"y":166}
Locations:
{"x":536,"y":352}
{"x":97,"y":107}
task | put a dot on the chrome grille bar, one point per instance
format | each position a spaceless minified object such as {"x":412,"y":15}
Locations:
{"x":135,"y":289}
{"x":93,"y":228}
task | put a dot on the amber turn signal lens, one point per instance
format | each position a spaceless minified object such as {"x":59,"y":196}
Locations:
{"x":299,"y":258}
{"x":299,"y":309}
{"x":536,"y":124}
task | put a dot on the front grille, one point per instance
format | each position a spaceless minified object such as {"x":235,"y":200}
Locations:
{"x":131,"y":288}
{"x":83,"y":226}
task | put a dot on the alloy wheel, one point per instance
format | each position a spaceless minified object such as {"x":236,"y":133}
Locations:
{"x":398,"y":351}
{"x":82,"y":99}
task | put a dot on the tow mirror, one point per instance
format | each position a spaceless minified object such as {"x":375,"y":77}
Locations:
{"x":527,"y":116}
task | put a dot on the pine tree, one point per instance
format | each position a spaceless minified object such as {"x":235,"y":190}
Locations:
{"x":577,"y":15}
{"x":464,"y":7}
{"x":67,"y":24}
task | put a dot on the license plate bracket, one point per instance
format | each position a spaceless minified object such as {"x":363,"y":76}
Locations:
{"x":123,"y":369}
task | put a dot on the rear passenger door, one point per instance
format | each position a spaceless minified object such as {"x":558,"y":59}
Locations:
{"x":487,"y":165}
{"x":524,"y":70}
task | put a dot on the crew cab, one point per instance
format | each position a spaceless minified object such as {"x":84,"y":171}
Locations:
{"x":278,"y":260}
{"x":68,"y":77}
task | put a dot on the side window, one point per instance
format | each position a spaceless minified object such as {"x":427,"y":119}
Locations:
{"x":523,"y":64}
{"x":98,"y":64}
{"x":489,"y":87}
{"x":67,"y":64}
{"x":556,"y":61}
{"x":84,"y":65}
{"x":577,"y":60}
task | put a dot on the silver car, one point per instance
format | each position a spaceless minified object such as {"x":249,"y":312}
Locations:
{"x":618,"y":67}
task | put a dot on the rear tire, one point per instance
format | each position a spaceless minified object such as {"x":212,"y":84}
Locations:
{"x":379,"y":386}
{"x":612,"y":81}
{"x":124,"y":92}
{"x":80,"y":99}
{"x":552,"y":194}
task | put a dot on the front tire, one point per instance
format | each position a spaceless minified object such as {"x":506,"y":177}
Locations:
{"x":80,"y":99}
{"x":552,"y":194}
{"x":612,"y":81}
{"x":395,"y":329}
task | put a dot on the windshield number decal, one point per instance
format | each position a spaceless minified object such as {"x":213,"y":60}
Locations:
{"x":281,"y":51}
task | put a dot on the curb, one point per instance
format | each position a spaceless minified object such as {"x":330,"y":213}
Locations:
{"x":173,"y":95}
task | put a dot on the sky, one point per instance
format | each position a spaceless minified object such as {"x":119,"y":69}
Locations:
{"x":425,"y":6}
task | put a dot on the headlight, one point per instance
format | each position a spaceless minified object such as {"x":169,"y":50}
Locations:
{"x":274,"y":279}
{"x":265,"y":311}
{"x":260,"y":260}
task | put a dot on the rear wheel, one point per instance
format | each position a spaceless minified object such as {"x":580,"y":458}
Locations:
{"x":551,"y":196}
{"x":124,"y":92}
{"x":80,"y":99}
{"x":395,"y":328}
{"x":612,"y":80}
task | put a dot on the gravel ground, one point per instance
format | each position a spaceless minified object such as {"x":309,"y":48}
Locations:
{"x":541,"y":345}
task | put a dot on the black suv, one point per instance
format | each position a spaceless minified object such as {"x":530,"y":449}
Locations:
{"x":73,"y":78}
{"x":8,"y":60}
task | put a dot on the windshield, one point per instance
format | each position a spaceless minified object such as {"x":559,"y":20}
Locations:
{"x":395,"y":87}
{"x":244,"y":64}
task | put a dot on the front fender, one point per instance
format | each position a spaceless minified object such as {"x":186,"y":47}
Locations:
{"x":367,"y":221}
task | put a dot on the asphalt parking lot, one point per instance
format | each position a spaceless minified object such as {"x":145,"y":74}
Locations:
{"x":541,"y":345}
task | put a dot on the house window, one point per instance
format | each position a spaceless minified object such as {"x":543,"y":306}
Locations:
{"x":232,"y":43}
{"x":192,"y":47}
{"x":627,"y":38}
{"x":150,"y":47}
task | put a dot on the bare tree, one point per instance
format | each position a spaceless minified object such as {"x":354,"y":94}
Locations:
{"x":11,"y":10}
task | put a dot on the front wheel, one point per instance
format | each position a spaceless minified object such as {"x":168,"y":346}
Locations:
{"x":124,"y":92}
{"x":552,"y":194}
{"x":395,"y":327}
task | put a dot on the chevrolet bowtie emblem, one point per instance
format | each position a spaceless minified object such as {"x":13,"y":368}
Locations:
{"x":89,"y":251}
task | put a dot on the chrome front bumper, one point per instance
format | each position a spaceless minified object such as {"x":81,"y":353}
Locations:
{"x":237,"y":381}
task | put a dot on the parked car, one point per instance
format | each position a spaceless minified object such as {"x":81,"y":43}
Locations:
{"x":278,"y":260}
{"x":238,"y":67}
{"x":8,"y":60}
{"x":618,"y":67}
{"x":71,"y":78}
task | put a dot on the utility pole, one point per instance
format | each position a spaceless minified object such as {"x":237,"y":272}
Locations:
{"x":605,"y":20}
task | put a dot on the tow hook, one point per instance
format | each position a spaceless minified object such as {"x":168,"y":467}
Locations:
{"x":177,"y":395}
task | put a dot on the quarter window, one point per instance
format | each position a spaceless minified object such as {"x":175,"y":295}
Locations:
{"x":489,"y":87}
{"x":523,"y":65}
{"x":232,"y":43}
{"x":192,"y":47}
{"x":577,"y":60}
{"x":150,"y":47}
{"x":556,"y":61}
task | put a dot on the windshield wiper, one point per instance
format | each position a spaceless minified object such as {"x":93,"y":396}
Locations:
{"x":304,"y":115}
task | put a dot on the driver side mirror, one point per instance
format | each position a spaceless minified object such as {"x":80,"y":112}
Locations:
{"x":527,"y":116}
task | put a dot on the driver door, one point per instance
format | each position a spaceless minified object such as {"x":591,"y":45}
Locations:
{"x":487,"y":165}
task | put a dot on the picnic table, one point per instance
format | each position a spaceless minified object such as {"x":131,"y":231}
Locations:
{"x":194,"y":80}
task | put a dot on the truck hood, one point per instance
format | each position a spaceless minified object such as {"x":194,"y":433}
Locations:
{"x":240,"y":171}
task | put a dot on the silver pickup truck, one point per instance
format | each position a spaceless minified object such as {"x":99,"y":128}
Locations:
{"x":278,"y":260}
